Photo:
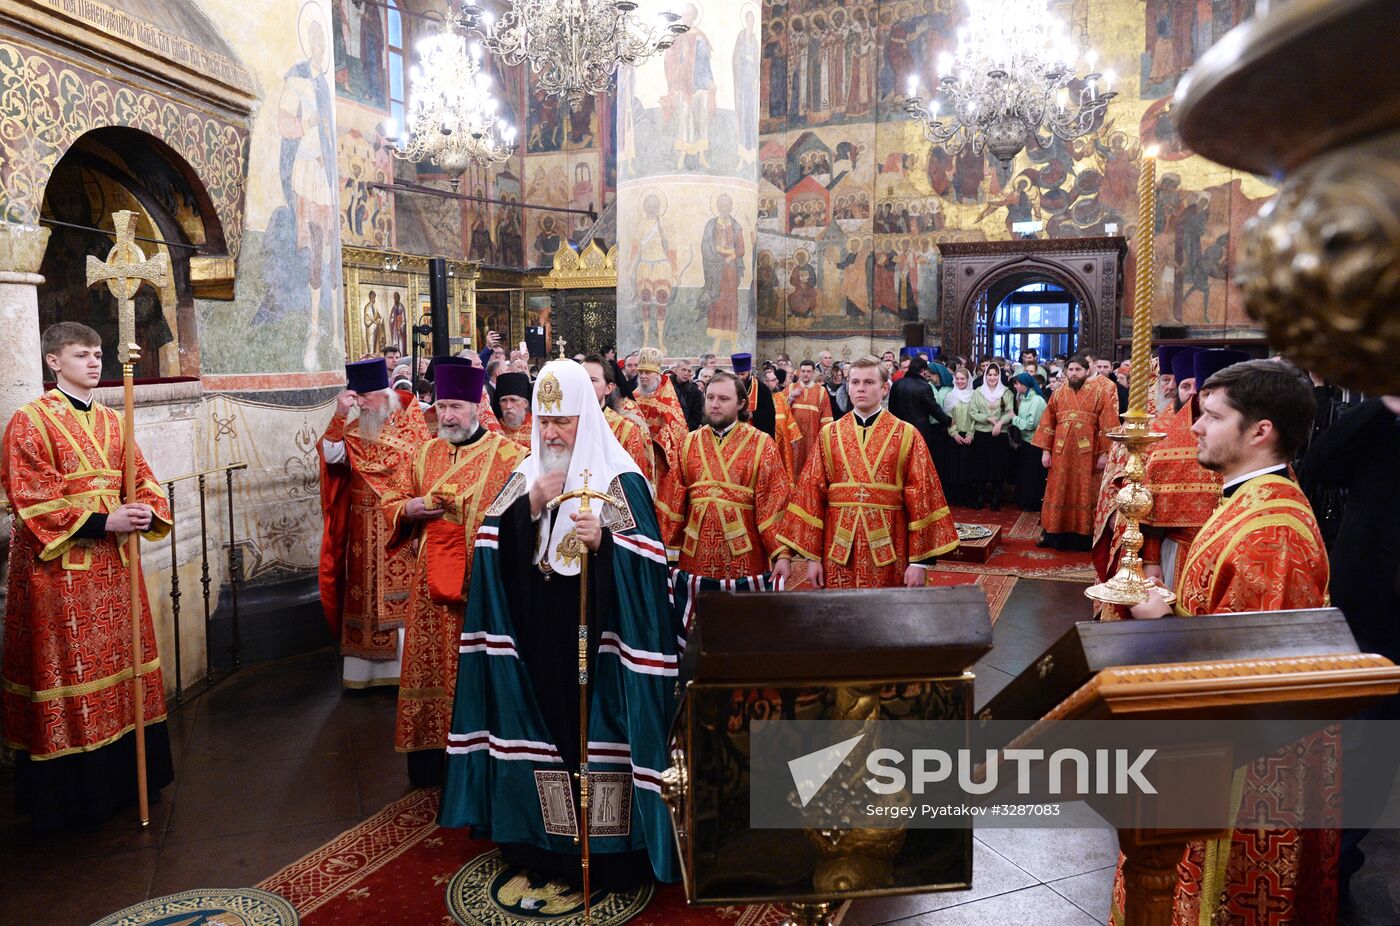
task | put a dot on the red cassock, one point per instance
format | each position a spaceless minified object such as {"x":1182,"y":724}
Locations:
{"x":365,"y":590}
{"x":726,"y":503}
{"x":1184,"y":493}
{"x":811,"y":410}
{"x":1073,"y":429}
{"x":1261,"y":550}
{"x":869,"y":503}
{"x":666,"y":426}
{"x":463,"y":480}
{"x":66,"y":683}
{"x":634,"y":437}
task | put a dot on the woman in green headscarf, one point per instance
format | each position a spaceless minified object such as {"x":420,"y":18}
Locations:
{"x":1030,"y":475}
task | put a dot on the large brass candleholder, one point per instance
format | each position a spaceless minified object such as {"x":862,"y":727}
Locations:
{"x":1129,"y":585}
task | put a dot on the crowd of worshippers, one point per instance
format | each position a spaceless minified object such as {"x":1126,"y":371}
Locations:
{"x":460,"y":521}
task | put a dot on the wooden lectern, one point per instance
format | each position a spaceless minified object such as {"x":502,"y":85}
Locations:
{"x":822,"y":655}
{"x":1282,"y":665}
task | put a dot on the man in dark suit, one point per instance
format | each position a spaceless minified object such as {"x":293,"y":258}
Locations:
{"x":912,"y":400}
{"x":692,"y":399}
{"x":1359,"y":453}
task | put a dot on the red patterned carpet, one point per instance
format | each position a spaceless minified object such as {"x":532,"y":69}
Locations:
{"x":398,"y":868}
{"x":1016,"y":553}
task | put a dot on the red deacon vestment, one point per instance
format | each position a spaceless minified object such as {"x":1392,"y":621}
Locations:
{"x":868,"y":504}
{"x":634,"y":437}
{"x":1073,"y":429}
{"x":464,"y":480}
{"x":364,"y":590}
{"x":726,"y":503}
{"x":66,"y":684}
{"x":520,"y":435}
{"x":811,"y":410}
{"x":666,"y":425}
{"x":1261,"y":550}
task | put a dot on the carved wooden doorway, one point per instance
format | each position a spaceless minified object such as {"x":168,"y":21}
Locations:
{"x":977,"y":276}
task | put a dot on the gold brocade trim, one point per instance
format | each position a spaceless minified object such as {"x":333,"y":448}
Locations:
{"x":814,"y":521}
{"x":1261,"y":523}
{"x":90,"y":747}
{"x":369,"y":683}
{"x":76,"y":691}
{"x":799,"y":549}
{"x":1217,"y":858}
{"x":946,"y":548}
{"x":57,"y":547}
{"x":929,"y":519}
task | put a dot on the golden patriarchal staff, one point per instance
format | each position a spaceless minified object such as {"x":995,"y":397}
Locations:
{"x":585,"y":506}
{"x":124,"y":272}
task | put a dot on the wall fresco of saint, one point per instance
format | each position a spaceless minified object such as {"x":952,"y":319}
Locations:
{"x":565,"y":159}
{"x":853,"y":200}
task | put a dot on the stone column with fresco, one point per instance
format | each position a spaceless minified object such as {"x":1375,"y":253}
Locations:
{"x":687,"y":168}
{"x":21,"y":254}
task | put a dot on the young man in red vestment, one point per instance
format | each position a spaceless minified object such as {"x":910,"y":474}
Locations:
{"x":364,"y":589}
{"x":868,"y":511}
{"x":729,"y":494}
{"x":628,"y":427}
{"x":1074,"y":445}
{"x":811,"y":409}
{"x":661,"y":410}
{"x":1260,"y":550}
{"x":513,"y":397}
{"x":66,"y":680}
{"x":441,"y":496}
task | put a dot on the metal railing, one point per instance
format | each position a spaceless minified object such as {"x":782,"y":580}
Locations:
{"x":234,"y":568}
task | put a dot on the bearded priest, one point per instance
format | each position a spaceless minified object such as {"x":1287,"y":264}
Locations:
{"x":365,"y":589}
{"x":661,"y":410}
{"x":441,"y":497}
{"x":514,"y":745}
{"x":513,"y":399}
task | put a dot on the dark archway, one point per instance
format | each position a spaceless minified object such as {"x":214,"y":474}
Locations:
{"x":1089,"y":269}
{"x":121,"y":168}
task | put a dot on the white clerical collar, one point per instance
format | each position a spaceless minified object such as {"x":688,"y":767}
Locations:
{"x":1228,"y":488}
{"x":82,"y":404}
{"x":866,"y":422}
{"x":721,"y":435}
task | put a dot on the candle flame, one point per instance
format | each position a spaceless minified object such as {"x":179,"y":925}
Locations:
{"x":1152,"y":151}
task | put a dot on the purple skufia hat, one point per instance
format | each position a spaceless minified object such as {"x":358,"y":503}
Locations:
{"x":742,"y":363}
{"x":1184,"y":363}
{"x":460,"y":382}
{"x":364,"y":376}
{"x":1210,"y":362}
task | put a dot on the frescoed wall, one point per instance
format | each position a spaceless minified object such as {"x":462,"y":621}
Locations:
{"x":853,"y":200}
{"x":286,"y":314}
{"x":688,"y":196}
{"x":565,"y":159}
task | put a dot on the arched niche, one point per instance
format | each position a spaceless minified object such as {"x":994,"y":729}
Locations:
{"x":1090,"y":269}
{"x":114,"y":168}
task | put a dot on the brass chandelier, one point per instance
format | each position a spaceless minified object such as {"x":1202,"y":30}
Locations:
{"x":1011,"y":83}
{"x":573,"y":47}
{"x":452,"y":113}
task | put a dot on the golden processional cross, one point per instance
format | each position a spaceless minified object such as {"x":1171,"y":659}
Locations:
{"x":124,"y":272}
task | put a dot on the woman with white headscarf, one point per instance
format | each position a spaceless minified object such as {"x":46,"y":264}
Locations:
{"x":992,"y":409}
{"x":958,"y":404}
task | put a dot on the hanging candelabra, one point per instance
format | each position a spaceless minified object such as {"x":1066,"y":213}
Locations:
{"x":1011,"y":83}
{"x":573,"y":47}
{"x":452,"y":118}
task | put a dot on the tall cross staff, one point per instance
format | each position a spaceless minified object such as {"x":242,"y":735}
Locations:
{"x":124,"y":272}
